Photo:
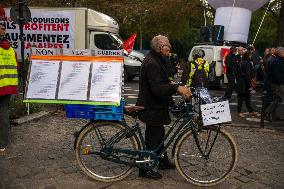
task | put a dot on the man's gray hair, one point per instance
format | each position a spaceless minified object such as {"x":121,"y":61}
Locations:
{"x":159,"y":41}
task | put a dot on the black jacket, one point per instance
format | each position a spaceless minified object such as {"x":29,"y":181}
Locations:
{"x":276,"y":71}
{"x":243,"y":77}
{"x":231,"y":64}
{"x":155,"y":90}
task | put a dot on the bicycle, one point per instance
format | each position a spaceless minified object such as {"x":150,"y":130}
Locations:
{"x":204,"y":155}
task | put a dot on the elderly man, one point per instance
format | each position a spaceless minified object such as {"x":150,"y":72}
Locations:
{"x":155,"y":94}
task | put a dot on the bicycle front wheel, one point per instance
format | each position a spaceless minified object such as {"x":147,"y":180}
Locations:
{"x":91,"y":139}
{"x":202,"y":170}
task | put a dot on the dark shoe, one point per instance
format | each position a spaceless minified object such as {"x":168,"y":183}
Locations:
{"x":150,"y":174}
{"x":165,"y":164}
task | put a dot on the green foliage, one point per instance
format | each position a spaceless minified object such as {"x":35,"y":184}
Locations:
{"x":267,"y":33}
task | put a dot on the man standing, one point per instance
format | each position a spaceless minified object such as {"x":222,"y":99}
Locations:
{"x":8,"y":85}
{"x":199,"y":69}
{"x":155,"y":94}
{"x":231,"y":64}
{"x":276,"y":77}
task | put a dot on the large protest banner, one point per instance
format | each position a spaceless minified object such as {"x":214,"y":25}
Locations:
{"x":53,"y":29}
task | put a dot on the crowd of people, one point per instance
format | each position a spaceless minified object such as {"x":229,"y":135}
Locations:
{"x":245,"y":71}
{"x":244,"y":68}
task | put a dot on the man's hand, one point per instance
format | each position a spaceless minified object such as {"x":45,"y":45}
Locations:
{"x":184,"y":91}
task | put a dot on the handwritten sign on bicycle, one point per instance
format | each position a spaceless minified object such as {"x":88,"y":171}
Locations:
{"x":216,"y":113}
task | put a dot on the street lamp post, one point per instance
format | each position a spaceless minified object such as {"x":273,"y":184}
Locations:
{"x":140,"y":28}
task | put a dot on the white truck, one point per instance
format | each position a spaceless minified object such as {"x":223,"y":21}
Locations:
{"x":77,"y":28}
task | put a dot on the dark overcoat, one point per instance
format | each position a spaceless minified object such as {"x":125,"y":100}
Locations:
{"x":155,"y":90}
{"x":243,"y":77}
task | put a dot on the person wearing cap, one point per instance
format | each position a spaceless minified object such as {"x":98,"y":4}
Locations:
{"x":155,"y":94}
{"x":199,"y":70}
{"x":276,"y":78}
{"x":8,"y":85}
{"x":231,"y":64}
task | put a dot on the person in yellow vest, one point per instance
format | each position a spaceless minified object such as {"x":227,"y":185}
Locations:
{"x":8,"y":85}
{"x":199,"y":69}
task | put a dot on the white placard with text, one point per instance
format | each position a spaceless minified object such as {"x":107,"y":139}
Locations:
{"x":106,"y":81}
{"x":74,"y":80}
{"x":42,"y":84}
{"x":216,"y":113}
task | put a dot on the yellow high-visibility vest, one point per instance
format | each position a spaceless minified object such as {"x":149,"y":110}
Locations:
{"x":8,"y":68}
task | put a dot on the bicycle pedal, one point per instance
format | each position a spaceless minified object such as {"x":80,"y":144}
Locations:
{"x":86,"y":150}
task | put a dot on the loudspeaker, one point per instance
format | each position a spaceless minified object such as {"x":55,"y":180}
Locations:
{"x":218,"y":33}
{"x":205,"y":34}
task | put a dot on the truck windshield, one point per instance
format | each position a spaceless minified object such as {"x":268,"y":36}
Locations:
{"x":106,"y":42}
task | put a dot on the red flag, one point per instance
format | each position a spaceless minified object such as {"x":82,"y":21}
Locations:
{"x":2,"y":13}
{"x":129,"y":43}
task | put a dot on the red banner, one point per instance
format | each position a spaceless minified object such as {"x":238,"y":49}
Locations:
{"x":2,"y":13}
{"x":129,"y":43}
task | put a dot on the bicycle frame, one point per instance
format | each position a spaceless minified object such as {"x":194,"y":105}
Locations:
{"x":184,"y":121}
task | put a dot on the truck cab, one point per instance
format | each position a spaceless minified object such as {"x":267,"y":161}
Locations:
{"x":215,"y":55}
{"x":112,"y":41}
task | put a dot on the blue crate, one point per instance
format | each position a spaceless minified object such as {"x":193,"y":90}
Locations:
{"x":95,"y":112}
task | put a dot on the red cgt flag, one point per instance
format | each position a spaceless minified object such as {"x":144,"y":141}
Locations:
{"x":2,"y":13}
{"x":129,"y":43}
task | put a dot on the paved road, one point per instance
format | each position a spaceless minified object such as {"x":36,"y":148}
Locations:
{"x":131,"y":91}
{"x":41,"y":156}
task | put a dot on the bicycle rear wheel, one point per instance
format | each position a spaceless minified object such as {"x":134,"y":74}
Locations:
{"x":197,"y":169}
{"x":92,"y":138}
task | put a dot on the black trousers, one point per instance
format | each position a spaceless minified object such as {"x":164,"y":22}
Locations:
{"x":4,"y":120}
{"x":154,"y":136}
{"x":244,"y":97}
{"x":230,"y":87}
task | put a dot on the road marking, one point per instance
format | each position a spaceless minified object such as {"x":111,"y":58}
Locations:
{"x":253,"y":119}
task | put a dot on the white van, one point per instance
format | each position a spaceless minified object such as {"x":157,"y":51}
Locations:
{"x":215,"y":55}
